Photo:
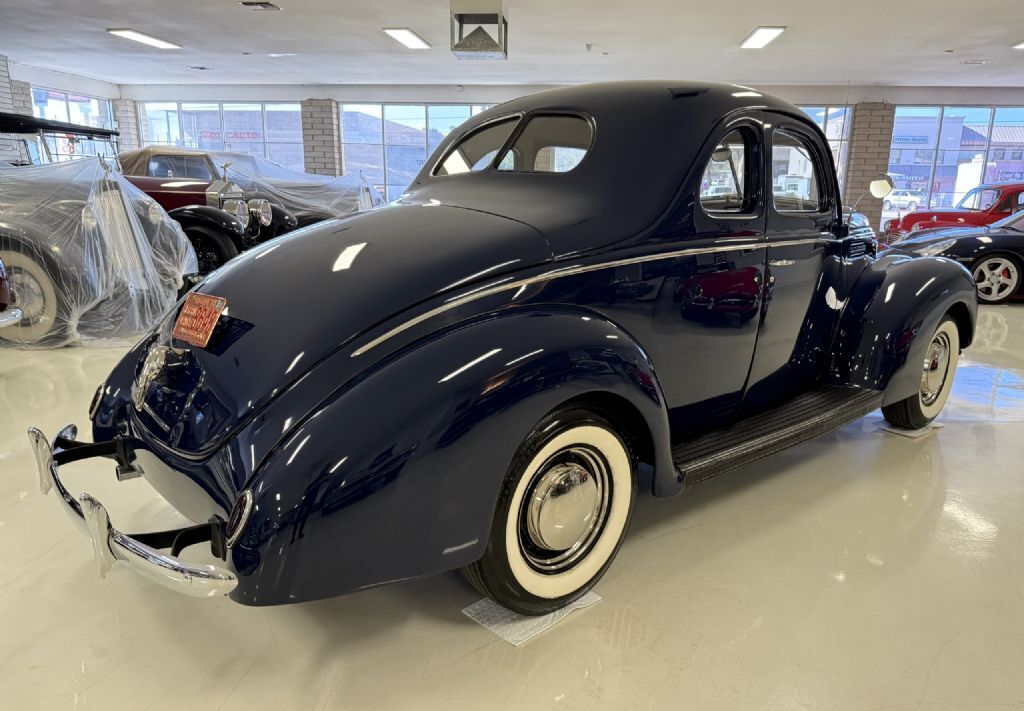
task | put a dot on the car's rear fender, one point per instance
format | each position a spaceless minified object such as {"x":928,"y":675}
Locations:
{"x":889,"y":318}
{"x":396,"y":475}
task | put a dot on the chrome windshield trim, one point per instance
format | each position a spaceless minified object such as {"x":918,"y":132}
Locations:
{"x":572,"y":270}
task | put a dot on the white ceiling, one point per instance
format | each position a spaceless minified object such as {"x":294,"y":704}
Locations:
{"x":887,"y":42}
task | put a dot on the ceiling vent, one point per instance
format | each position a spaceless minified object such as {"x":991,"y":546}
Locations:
{"x":479,"y":29}
{"x":254,"y":5}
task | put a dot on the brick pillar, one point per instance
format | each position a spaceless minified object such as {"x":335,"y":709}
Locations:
{"x":126,"y":116}
{"x":321,"y":136}
{"x":870,"y":143}
{"x":21,"y":92}
{"x":8,"y":148}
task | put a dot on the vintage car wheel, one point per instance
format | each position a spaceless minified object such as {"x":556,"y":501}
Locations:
{"x":998,"y":278}
{"x":940,"y":363}
{"x":213,"y":250}
{"x":35,"y":293}
{"x":561,"y":515}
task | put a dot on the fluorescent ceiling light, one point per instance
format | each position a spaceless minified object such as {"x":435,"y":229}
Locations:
{"x":407,"y":37}
{"x":275,"y":55}
{"x":1019,"y":46}
{"x":144,"y":39}
{"x":761,"y":36}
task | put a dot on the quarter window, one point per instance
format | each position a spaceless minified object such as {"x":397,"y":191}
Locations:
{"x":476,"y":151}
{"x":724,"y":184}
{"x":549,"y":144}
{"x":796,"y":184}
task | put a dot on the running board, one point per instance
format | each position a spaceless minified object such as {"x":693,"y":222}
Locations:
{"x":805,"y":417}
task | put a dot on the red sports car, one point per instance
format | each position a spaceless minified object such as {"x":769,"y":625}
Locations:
{"x":982,"y":206}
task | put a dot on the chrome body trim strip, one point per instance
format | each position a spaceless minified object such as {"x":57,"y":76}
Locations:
{"x":505,"y":285}
{"x":10,"y":317}
{"x":111,"y":547}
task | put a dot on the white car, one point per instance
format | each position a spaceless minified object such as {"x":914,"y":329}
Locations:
{"x":903,"y":200}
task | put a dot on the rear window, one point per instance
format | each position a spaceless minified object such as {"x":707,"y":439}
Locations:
{"x":549,"y":144}
{"x":476,"y":151}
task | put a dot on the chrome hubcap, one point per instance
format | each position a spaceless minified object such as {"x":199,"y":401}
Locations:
{"x":936,"y":363}
{"x":564,"y":509}
{"x":27,"y":294}
{"x":997,"y":278}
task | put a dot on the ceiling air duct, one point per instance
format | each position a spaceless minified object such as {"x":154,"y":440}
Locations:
{"x":479,"y":29}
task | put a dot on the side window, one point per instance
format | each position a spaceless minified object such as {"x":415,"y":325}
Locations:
{"x":723,"y":188}
{"x":476,"y":151}
{"x":550,"y":144}
{"x":1018,"y":204}
{"x":167,"y":167}
{"x":796,"y":184}
{"x":197,"y":167}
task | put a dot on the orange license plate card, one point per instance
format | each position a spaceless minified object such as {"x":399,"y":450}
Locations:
{"x":198,"y":317}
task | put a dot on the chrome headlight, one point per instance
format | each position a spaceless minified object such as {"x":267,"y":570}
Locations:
{"x":262,"y":211}
{"x":155,"y":213}
{"x":239,"y":209}
{"x":933,"y":250}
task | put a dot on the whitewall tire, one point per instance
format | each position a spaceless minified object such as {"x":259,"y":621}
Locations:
{"x":938,"y":370}
{"x":35,"y":293}
{"x":561,"y":515}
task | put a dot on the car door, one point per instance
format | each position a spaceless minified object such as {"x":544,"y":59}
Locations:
{"x":804,"y":267}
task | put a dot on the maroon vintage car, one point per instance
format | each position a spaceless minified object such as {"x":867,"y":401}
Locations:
{"x":721,"y":293}
{"x":9,"y":314}
{"x":983,"y":205}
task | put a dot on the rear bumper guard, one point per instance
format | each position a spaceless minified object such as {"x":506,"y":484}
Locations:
{"x":140,"y":552}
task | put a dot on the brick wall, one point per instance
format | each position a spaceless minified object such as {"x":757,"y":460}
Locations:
{"x":21,"y":92}
{"x":321,"y":136}
{"x":126,"y":116}
{"x":8,"y":149}
{"x":870,"y":141}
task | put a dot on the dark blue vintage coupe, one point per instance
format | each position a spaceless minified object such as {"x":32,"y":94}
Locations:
{"x":579,"y":285}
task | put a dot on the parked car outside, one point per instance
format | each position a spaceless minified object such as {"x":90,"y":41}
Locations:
{"x":87,"y":255}
{"x":474,"y":376}
{"x":903,"y":200}
{"x":994,"y":254}
{"x":983,"y":205}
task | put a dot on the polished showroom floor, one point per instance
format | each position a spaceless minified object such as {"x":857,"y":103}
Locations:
{"x":859,"y":571}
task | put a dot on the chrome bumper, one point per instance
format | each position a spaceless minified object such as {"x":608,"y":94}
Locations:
{"x":110,"y":546}
{"x":10,"y":316}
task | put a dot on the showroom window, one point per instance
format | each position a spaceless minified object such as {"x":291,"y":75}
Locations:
{"x":940,"y":153}
{"x":835,"y":121}
{"x":73,"y":108}
{"x":265,"y":130}
{"x":389,"y":143}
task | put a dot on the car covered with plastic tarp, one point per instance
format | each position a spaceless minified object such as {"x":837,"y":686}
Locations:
{"x":88,"y":254}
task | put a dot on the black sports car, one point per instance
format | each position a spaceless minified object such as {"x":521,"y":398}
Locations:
{"x":994,"y":253}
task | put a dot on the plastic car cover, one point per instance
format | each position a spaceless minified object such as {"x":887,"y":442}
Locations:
{"x":309,"y":197}
{"x":88,"y":254}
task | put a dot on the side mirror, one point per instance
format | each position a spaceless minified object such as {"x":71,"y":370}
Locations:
{"x":881,"y":187}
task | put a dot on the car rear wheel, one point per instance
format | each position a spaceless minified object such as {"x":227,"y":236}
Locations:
{"x":937,"y":374}
{"x":561,"y":516}
{"x":213,"y":249}
{"x":998,"y":278}
{"x":45,"y":313}
{"x":912,"y":206}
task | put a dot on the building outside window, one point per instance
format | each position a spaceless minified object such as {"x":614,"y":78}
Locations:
{"x":265,"y":130}
{"x":939,"y":153}
{"x":388,"y":143}
{"x":58,"y":105}
{"x":835,"y":121}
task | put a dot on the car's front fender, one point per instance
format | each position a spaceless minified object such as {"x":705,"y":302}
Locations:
{"x":396,"y":475}
{"x":889,"y":318}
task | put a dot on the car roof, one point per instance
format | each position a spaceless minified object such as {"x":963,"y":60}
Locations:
{"x":647,"y":136}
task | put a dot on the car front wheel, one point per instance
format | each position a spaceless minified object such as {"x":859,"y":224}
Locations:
{"x":45,"y":311}
{"x":937,"y":374}
{"x":213,"y":249}
{"x":998,"y":278}
{"x":561,"y":514}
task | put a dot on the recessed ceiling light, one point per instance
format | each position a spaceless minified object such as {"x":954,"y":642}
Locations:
{"x":275,"y":55}
{"x":761,"y":36}
{"x":1019,"y":46}
{"x":407,"y":37}
{"x":976,"y":61}
{"x":136,"y":36}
